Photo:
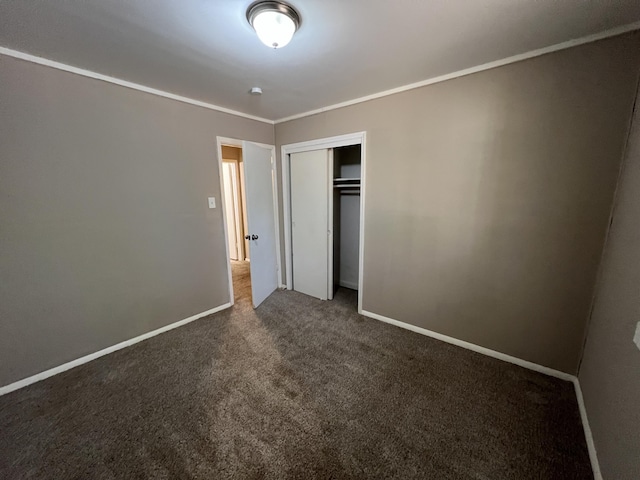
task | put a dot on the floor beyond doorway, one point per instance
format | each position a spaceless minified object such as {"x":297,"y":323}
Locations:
{"x":298,"y":388}
{"x":241,"y":276}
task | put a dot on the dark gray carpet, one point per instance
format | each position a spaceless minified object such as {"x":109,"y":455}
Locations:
{"x":298,"y":388}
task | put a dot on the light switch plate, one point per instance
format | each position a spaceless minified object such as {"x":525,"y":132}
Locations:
{"x":636,"y":337}
{"x":212,"y":202}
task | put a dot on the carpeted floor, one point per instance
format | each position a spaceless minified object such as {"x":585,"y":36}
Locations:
{"x":298,"y":388}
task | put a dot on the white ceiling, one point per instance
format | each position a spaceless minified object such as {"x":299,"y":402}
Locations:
{"x":205,"y":49}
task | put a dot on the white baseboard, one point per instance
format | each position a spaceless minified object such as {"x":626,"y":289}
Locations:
{"x":347,"y":284}
{"x":87,"y":358}
{"x":471,"y":346}
{"x":595,"y":466}
{"x":438,"y":336}
{"x":593,"y":454}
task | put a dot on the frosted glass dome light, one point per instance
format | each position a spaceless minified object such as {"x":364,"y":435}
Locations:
{"x":274,"y":22}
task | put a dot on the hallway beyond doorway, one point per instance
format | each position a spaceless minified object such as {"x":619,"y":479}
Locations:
{"x":241,"y":275}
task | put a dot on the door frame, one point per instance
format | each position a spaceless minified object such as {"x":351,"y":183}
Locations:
{"x":358,"y":138}
{"x":234,"y":142}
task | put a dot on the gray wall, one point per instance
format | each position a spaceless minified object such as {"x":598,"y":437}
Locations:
{"x":105,"y":232}
{"x":488,"y":196}
{"x":610,"y":370}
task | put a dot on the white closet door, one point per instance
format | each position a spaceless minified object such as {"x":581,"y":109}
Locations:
{"x":258,"y":175}
{"x":309,"y":221}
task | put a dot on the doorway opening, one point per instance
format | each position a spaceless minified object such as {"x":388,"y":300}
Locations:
{"x":247,"y":172}
{"x":236,"y":219}
{"x":344,"y":220}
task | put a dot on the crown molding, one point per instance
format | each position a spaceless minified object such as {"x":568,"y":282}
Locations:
{"x":124,"y":83}
{"x":430,"y":81}
{"x":468,"y":71}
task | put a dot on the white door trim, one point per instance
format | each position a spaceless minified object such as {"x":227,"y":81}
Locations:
{"x":330,"y":193}
{"x":234,"y":142}
{"x":358,"y":138}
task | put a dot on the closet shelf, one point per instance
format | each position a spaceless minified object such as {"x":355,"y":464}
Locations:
{"x":346,"y":183}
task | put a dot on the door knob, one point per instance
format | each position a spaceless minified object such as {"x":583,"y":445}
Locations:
{"x":254,"y":237}
{"x":247,"y":237}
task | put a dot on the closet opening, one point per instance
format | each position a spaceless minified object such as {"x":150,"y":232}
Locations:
{"x":236,"y":218}
{"x":345,"y":215}
{"x":324,"y":192}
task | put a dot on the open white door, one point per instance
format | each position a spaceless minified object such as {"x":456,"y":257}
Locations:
{"x":258,"y":175}
{"x":309,"y":222}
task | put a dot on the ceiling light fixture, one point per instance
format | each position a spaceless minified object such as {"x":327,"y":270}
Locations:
{"x":274,"y":22}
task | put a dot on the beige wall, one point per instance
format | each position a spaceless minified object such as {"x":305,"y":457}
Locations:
{"x":105,"y":231}
{"x":610,"y":370}
{"x":488,"y":196}
{"x":487,"y":204}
